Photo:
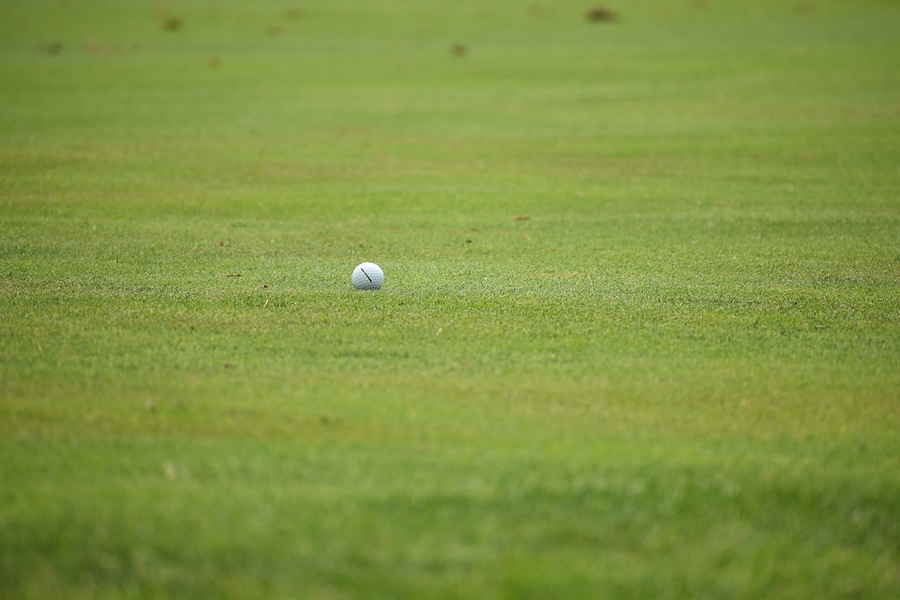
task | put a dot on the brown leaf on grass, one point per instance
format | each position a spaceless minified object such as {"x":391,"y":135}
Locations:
{"x":458,"y":50}
{"x":600,"y":14}
{"x":99,"y":48}
{"x":214,"y":62}
{"x":521,"y":218}
{"x":537,"y":10}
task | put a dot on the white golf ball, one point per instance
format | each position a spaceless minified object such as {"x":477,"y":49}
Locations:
{"x":367,"y":276}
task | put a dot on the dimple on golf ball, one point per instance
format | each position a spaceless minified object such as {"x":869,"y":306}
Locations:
{"x":367,"y":276}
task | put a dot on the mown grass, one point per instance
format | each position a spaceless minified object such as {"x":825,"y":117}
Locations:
{"x":640,"y":335}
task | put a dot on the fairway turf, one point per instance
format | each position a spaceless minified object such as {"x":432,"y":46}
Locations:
{"x":639,"y":335}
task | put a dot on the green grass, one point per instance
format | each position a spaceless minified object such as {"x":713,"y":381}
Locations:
{"x":678,"y":378}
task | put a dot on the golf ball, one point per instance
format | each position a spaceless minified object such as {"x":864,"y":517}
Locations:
{"x":367,"y":276}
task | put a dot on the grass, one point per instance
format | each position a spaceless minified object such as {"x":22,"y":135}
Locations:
{"x":677,"y":377}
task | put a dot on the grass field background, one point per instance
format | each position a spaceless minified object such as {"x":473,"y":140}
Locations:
{"x":639,"y":338}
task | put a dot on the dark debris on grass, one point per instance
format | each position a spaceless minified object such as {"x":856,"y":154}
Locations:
{"x":601,"y":14}
{"x":172,"y":24}
{"x":53,"y":48}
